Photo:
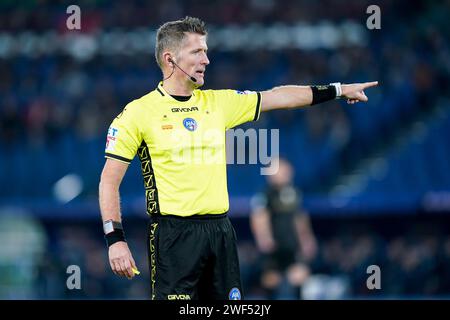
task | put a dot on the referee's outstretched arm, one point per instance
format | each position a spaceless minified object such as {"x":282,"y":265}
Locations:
{"x":120,"y":257}
{"x":286,"y":97}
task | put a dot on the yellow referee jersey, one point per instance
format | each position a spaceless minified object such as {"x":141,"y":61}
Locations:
{"x":181,"y":146}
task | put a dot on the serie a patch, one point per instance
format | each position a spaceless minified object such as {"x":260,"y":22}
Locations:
{"x":111,"y":138}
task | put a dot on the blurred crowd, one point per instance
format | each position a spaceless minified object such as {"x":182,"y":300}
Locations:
{"x":413,"y":256}
{"x":413,"y":259}
{"x":46,"y":100}
{"x":103,"y":15}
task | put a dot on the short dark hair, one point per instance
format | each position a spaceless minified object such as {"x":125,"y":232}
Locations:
{"x":171,"y":34}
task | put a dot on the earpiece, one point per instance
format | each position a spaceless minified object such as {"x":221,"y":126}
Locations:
{"x":190,"y":77}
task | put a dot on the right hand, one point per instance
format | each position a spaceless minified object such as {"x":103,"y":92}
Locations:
{"x":354,"y":92}
{"x":121,"y":260}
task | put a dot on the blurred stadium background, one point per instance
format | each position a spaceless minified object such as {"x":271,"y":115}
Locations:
{"x":375,"y":177}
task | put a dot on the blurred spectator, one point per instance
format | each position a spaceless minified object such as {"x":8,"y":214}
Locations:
{"x":283,"y":233}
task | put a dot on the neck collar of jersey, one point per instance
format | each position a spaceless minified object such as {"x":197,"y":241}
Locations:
{"x":164,"y":93}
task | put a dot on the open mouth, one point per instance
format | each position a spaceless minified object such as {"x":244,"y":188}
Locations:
{"x":200,"y":72}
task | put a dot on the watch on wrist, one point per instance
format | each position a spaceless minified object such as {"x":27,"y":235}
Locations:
{"x":110,"y":226}
{"x":338,"y":87}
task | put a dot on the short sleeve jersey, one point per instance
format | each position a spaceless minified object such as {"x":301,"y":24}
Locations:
{"x":181,"y":146}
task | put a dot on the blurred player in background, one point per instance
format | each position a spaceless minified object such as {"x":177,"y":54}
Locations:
{"x":283,"y":234}
{"x":192,"y":244}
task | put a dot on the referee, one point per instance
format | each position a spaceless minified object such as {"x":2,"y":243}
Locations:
{"x":178,"y":133}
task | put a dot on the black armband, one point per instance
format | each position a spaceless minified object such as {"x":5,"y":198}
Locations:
{"x":115,"y":236}
{"x":323,"y":93}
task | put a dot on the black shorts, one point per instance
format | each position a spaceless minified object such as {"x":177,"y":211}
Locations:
{"x":193,"y":258}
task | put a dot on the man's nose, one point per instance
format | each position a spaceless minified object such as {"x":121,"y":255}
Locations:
{"x":205,"y":60}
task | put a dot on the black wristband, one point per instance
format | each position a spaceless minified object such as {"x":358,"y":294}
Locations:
{"x":115,"y":236}
{"x":323,"y":93}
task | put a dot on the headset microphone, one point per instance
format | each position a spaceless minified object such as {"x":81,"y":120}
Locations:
{"x":191,"y":77}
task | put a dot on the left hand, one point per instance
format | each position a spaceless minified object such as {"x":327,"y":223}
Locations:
{"x":355,"y":92}
{"x":121,"y":259}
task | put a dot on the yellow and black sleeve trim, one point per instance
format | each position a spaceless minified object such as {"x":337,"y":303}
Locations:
{"x":258,"y":106}
{"x":113,"y":156}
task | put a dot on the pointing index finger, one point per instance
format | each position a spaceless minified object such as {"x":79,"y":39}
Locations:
{"x":370,"y":84}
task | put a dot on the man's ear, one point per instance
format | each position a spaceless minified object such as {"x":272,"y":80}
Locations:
{"x":167,"y":57}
